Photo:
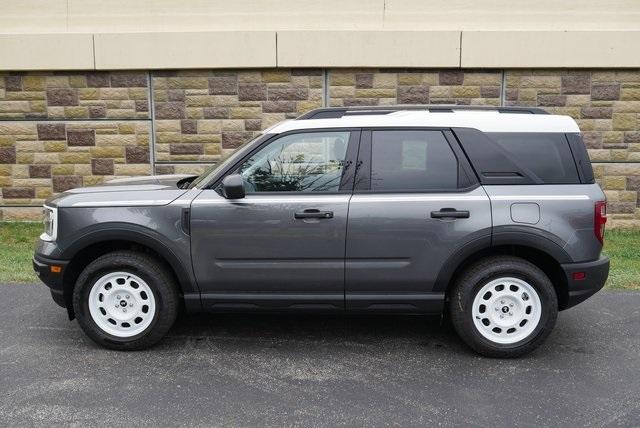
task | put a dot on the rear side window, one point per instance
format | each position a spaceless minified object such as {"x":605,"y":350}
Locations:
{"x":547,"y":155}
{"x":412,"y":160}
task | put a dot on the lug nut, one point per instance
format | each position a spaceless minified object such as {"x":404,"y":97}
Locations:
{"x":127,"y":296}
{"x":510,"y":304}
{"x":118,"y":296}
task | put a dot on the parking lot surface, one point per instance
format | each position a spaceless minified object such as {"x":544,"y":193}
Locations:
{"x":238,"y":369}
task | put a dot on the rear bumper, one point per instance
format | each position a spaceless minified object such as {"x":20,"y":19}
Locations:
{"x":53,"y":280}
{"x":595,"y":276}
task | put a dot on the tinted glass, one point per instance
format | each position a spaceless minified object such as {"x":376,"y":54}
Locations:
{"x":412,"y":160}
{"x":546,"y":154}
{"x":308,"y":162}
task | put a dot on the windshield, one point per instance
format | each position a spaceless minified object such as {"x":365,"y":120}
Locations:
{"x":210,"y":172}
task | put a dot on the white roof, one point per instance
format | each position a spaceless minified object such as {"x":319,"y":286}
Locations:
{"x":487,"y":121}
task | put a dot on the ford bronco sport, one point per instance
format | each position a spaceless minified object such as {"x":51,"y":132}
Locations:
{"x":491,"y":214}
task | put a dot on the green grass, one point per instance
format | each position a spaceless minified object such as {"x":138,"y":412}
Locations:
{"x":623,"y":248}
{"x":17,"y":241}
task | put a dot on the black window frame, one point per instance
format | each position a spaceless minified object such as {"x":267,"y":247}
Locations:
{"x":348,"y":172}
{"x":581,"y":157}
{"x":467,"y":179}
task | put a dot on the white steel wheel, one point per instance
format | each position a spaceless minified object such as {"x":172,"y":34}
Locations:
{"x":506,"y":310}
{"x":122,"y":304}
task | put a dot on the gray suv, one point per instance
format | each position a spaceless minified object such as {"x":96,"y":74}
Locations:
{"x":490,"y":215}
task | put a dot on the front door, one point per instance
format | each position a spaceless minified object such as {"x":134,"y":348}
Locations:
{"x":283,"y":245}
{"x":415,"y":204}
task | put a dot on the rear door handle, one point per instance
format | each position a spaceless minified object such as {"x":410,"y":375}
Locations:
{"x":449,"y":213}
{"x":313,"y":213}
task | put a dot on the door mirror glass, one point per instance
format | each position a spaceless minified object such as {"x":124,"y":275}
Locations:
{"x":233,"y":187}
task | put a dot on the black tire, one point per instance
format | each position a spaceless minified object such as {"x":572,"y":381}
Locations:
{"x":157,"y":278}
{"x":469,"y":283}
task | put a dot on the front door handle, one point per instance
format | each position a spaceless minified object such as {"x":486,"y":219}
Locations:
{"x":313,"y":213}
{"x":449,"y":213}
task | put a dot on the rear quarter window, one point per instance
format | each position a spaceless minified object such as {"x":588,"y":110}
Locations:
{"x":547,"y":155}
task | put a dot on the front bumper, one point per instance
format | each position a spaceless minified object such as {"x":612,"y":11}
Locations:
{"x":595,"y":275}
{"x":51,"y":278}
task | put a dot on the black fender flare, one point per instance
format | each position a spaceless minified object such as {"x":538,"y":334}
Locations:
{"x":521,"y":236}
{"x":141,"y":235}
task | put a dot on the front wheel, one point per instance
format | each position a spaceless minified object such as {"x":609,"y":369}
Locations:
{"x":503,"y":306}
{"x":125,"y":300}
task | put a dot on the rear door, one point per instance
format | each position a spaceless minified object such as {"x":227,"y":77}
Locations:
{"x":416,"y":203}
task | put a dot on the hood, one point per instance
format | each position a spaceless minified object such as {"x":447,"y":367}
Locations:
{"x":163,"y":180}
{"x":136,"y":191}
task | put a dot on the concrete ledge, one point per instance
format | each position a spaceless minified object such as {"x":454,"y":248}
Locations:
{"x":368,"y":49}
{"x":552,"y":49}
{"x":259,"y":49}
{"x":46,"y":51}
{"x":220,"y":49}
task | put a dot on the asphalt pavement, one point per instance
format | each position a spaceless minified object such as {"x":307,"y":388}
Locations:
{"x":317,"y":370}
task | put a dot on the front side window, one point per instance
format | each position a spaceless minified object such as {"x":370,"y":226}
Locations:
{"x":412,"y":160}
{"x":305,"y":162}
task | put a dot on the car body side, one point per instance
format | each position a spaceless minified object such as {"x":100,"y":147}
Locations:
{"x":551,"y":225}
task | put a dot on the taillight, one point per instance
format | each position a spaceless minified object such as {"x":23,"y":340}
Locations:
{"x":599,"y":220}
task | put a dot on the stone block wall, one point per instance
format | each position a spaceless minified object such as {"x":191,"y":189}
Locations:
{"x":40,"y":158}
{"x":203,"y":115}
{"x":94,"y":95}
{"x":367,"y":87}
{"x":60,"y":130}
{"x":606,"y":105}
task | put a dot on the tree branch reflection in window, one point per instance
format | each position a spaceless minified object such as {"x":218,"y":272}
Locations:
{"x":307,"y":162}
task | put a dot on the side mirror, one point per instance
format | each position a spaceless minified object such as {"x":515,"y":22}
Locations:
{"x":233,"y":187}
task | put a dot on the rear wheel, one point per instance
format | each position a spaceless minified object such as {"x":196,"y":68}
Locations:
{"x":503,"y":306}
{"x":125,"y":300}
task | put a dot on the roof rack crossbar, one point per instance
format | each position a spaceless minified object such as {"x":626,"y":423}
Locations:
{"x":338,"y":112}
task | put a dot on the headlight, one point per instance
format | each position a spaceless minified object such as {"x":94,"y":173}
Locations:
{"x":50,"y":222}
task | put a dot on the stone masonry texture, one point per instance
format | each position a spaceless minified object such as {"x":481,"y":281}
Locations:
{"x":68,"y":95}
{"x":204,"y":115}
{"x":382,"y":87}
{"x":60,"y":130}
{"x":50,"y":157}
{"x":606,"y":105}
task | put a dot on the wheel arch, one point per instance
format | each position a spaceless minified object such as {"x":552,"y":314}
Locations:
{"x":118,"y":237}
{"x":537,"y":249}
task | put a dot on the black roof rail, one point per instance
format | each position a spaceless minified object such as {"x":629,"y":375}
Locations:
{"x":338,"y":112}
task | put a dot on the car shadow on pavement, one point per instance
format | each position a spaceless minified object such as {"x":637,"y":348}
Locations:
{"x":321,"y":328}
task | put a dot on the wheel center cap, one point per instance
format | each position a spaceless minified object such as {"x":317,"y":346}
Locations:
{"x":123,"y":303}
{"x":505,"y":309}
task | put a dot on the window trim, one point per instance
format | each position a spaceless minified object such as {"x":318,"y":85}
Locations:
{"x":467,"y":180}
{"x":346,"y":183}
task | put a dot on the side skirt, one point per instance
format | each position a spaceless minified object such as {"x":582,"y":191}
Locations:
{"x":424,"y":303}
